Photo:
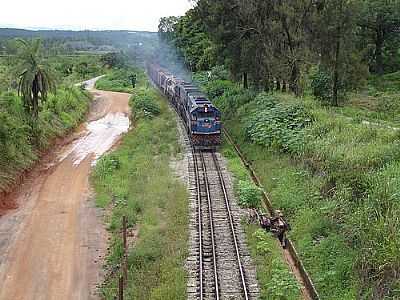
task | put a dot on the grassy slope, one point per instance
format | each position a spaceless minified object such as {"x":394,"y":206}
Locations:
{"x":275,"y":279}
{"x":21,"y":145}
{"x":138,"y":177}
{"x":339,"y":189}
{"x":118,"y":80}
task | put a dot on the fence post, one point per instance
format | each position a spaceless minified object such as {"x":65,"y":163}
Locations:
{"x":121,"y":288}
{"x":124,"y":258}
{"x":124,"y":225}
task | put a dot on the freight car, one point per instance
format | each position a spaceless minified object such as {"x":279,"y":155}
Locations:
{"x":201,"y":118}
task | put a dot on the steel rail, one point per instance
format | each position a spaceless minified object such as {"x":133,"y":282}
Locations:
{"x":200,"y":225}
{"x":226,"y":198}
{"x":206,"y":183}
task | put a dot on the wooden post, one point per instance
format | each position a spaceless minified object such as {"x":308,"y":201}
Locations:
{"x":124,"y":258}
{"x":121,"y":288}
{"x":124,"y":225}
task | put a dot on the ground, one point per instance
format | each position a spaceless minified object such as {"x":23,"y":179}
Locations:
{"x":53,"y":244}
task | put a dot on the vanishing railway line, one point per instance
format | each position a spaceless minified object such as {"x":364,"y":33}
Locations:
{"x":221,"y":258}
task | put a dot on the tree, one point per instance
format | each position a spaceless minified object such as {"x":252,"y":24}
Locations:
{"x":166,"y":28}
{"x":113,"y":60}
{"x":35,"y":79}
{"x":334,"y":36}
{"x":380,"y":21}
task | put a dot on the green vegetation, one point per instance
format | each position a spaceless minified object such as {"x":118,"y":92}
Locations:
{"x":20,"y":143}
{"x":119,"y":80}
{"x":31,"y":121}
{"x":335,"y":179}
{"x":327,"y":151}
{"x":35,"y":79}
{"x":282,"y":45}
{"x":143,"y":103}
{"x":249,"y":194}
{"x":274,"y":277}
{"x":136,"y":181}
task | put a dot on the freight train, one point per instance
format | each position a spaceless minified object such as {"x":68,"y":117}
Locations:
{"x":201,"y":118}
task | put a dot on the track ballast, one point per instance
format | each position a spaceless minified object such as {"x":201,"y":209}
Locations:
{"x":220,"y":265}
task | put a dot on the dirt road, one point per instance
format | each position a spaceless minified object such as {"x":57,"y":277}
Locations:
{"x":52,"y":246}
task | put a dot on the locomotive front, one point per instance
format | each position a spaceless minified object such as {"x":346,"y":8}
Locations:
{"x":205,"y":124}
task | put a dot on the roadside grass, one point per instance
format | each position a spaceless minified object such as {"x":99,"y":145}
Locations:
{"x":275,"y":279}
{"x":136,"y":181}
{"x":117,"y":80}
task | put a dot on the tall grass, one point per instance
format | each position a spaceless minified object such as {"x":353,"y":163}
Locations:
{"x":338,"y":187}
{"x":117,"y":80}
{"x":276,"y":281}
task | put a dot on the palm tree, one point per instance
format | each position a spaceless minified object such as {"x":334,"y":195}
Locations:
{"x":35,"y":80}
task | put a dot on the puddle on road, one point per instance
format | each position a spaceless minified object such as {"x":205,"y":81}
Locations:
{"x":99,"y":138}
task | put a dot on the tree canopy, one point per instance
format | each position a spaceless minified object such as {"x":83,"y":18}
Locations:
{"x":276,"y":44}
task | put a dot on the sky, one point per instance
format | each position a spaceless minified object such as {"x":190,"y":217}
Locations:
{"x":89,"y":14}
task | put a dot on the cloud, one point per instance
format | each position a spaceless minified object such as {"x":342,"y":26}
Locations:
{"x":89,"y":14}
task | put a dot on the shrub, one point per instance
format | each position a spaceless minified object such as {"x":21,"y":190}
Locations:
{"x":144,"y":105}
{"x":249,"y":194}
{"x":217,"y":88}
{"x":117,"y":80}
{"x":278,"y":125}
{"x":321,"y":85}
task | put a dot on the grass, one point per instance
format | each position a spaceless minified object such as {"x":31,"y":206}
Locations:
{"x":336,"y":182}
{"x":297,"y":192}
{"x":136,"y":181}
{"x":117,"y":80}
{"x":275,"y":279}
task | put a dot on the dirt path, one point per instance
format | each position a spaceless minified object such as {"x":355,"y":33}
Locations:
{"x":52,"y":246}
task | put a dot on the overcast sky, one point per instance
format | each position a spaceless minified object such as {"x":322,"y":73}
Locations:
{"x":89,"y":14}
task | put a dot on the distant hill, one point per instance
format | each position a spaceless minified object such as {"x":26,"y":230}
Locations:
{"x":123,"y":37}
{"x":138,"y":43}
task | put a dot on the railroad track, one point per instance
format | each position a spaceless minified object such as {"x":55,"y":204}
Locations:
{"x":222,"y":266}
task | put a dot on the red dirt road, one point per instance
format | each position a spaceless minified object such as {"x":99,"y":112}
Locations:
{"x":52,"y":246}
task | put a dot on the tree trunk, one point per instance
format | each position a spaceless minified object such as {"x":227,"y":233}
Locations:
{"x":35,"y":98}
{"x":378,"y":51}
{"x":283,"y":86}
{"x":335,"y":100}
{"x":294,"y":79}
{"x":278,"y":84}
{"x":266,"y":85}
{"x":245,"y":80}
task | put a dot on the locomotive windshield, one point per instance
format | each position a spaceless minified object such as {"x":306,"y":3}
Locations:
{"x":204,"y":115}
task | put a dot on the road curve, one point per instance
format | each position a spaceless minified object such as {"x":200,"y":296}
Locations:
{"x":52,"y":245}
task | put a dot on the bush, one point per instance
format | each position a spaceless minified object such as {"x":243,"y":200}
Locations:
{"x":249,"y":194}
{"x":278,"y":125}
{"x":217,"y":88}
{"x":321,"y":85}
{"x":144,"y":104}
{"x":117,"y":80}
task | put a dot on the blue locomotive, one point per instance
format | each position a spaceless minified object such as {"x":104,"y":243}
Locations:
{"x":202,"y":119}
